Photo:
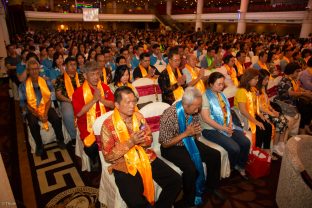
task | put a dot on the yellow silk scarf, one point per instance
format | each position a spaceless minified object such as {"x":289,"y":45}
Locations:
{"x":91,"y":114}
{"x":265,"y":103}
{"x":252,"y":108}
{"x":231,"y":71}
{"x":32,"y":99}
{"x":104,"y":75}
{"x":200,"y":84}
{"x":178,"y":93}
{"x":69,"y":86}
{"x":295,"y":84}
{"x":240,"y":68}
{"x":136,"y":158}
{"x":143,"y":70}
{"x":286,"y":59}
{"x":223,"y":108}
{"x":263,"y":66}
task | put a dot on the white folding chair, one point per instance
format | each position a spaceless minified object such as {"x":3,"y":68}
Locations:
{"x":108,"y":191}
{"x":152,"y":113}
{"x":79,"y":151}
{"x":46,"y":136}
{"x":148,"y":90}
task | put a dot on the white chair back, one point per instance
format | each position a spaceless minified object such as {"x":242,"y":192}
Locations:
{"x":148,"y":90}
{"x":153,"y":110}
{"x":97,"y":126}
{"x":230,"y":91}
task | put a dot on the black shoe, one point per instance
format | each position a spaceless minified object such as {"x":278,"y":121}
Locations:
{"x":39,"y":150}
{"x":95,"y":165}
{"x":219,"y":195}
{"x":73,"y":142}
{"x":182,"y":204}
{"x":61,"y":144}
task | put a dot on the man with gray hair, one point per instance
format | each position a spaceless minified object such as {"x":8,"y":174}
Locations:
{"x":92,"y":99}
{"x":35,"y":102}
{"x":178,"y":136}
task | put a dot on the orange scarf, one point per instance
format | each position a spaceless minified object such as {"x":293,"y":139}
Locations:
{"x":240,"y":68}
{"x":32,"y":99}
{"x":178,"y":93}
{"x":91,"y":114}
{"x":136,"y":158}
{"x":294,"y":83}
{"x":263,"y":65}
{"x":286,"y":59}
{"x":104,"y":75}
{"x":265,"y":103}
{"x":69,"y":86}
{"x":143,"y":70}
{"x":231,"y":71}
{"x":252,"y":108}
{"x":200,"y":84}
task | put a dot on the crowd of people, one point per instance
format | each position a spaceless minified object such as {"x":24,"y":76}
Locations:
{"x":84,"y":74}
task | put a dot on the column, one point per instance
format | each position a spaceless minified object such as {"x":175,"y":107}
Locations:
{"x":52,"y":5}
{"x":169,"y":7}
{"x":199,"y":12}
{"x":4,"y":34}
{"x":114,"y":12}
{"x":306,"y":27}
{"x":241,"y":25}
{"x":114,"y":7}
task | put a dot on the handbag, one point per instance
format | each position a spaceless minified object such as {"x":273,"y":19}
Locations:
{"x":287,"y":109}
{"x":259,"y":163}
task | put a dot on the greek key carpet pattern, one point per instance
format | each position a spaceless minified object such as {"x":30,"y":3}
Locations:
{"x":53,"y":173}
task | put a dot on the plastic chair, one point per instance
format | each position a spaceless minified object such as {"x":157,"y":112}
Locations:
{"x":148,"y":90}
{"x":108,"y":191}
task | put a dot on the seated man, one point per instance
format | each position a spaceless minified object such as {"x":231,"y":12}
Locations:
{"x":125,"y":138}
{"x":145,"y":69}
{"x":171,"y":81}
{"x":35,"y":101}
{"x":90,"y":101}
{"x":65,"y":86}
{"x":179,"y":131}
{"x":194,"y":76}
{"x":106,"y":75}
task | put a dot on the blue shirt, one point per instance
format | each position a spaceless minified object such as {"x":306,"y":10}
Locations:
{"x":54,"y":73}
{"x":154,"y":60}
{"x":256,"y":66}
{"x":135,"y":62}
{"x":20,"y":68}
{"x":23,"y":97}
{"x":47,"y":63}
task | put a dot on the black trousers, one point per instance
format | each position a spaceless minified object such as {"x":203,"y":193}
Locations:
{"x":35,"y":128}
{"x":305,"y":109}
{"x":131,"y":187}
{"x":263,"y":137}
{"x":181,"y":158}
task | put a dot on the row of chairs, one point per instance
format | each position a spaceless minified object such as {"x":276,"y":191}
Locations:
{"x":148,"y":91}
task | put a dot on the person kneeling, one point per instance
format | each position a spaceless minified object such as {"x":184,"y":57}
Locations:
{"x":125,"y":137}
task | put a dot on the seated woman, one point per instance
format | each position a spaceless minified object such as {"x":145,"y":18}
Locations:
{"x":288,"y":91}
{"x":246,"y":101}
{"x":278,"y":119}
{"x":57,"y":67}
{"x":122,"y":78}
{"x":81,"y":60}
{"x":216,"y":122}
